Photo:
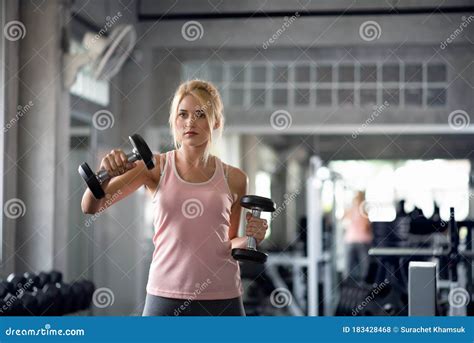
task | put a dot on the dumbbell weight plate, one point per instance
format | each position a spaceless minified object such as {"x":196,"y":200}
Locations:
{"x":91,"y":180}
{"x":254,"y":201}
{"x":143,"y":150}
{"x":249,"y":255}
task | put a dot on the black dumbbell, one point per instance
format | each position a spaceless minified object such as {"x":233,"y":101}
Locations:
{"x":29,"y":302}
{"x":94,"y":181}
{"x":89,"y":289}
{"x":14,"y":305}
{"x":18,"y":282}
{"x":78,"y":296}
{"x":53,"y":299}
{"x":32,"y":279}
{"x":44,"y":279}
{"x":257,"y":205}
{"x":55,"y":276}
{"x":67,"y":300}
{"x":5,"y":288}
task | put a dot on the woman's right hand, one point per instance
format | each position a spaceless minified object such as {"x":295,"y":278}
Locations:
{"x":116,"y":163}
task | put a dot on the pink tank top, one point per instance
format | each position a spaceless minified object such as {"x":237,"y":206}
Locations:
{"x":192,"y":255}
{"x":357,"y":231}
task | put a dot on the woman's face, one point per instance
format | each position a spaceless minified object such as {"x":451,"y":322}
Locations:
{"x":191,"y":122}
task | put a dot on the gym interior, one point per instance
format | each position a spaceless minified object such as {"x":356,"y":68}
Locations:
{"x":352,"y":117}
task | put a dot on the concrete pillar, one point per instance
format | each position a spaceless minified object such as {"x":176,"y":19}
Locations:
{"x":8,"y":144}
{"x":43,"y":140}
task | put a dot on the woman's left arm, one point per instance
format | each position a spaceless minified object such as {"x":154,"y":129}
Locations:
{"x":256,"y":227}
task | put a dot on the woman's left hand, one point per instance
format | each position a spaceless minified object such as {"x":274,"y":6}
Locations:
{"x":256,"y":227}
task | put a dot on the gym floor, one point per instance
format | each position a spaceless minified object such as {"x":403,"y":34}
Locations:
{"x":353,"y":118}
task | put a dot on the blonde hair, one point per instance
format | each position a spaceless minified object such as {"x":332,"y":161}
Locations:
{"x":211,"y":103}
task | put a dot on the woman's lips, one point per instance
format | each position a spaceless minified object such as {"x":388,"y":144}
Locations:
{"x":190,"y":134}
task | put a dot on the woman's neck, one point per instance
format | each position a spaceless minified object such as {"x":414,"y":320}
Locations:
{"x":192,"y":156}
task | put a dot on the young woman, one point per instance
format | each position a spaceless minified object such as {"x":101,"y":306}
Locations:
{"x":197,"y":211}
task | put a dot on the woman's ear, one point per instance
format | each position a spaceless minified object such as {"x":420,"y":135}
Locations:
{"x":217,"y":125}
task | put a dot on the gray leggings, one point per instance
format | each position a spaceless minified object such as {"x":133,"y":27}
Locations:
{"x":160,"y":306}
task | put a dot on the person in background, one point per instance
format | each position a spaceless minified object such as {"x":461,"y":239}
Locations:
{"x":358,"y":238}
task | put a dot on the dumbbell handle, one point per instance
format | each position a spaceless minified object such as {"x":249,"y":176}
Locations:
{"x":251,"y":241}
{"x":103,"y":175}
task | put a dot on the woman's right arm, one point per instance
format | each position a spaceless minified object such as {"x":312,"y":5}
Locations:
{"x":127,"y":178}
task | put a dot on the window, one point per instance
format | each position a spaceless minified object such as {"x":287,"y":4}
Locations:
{"x":301,"y":84}
{"x":87,"y":87}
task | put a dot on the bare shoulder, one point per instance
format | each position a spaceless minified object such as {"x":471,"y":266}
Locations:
{"x":153,"y":174}
{"x":238,"y":180}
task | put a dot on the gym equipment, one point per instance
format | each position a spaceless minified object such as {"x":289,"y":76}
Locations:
{"x":44,"y":279}
{"x":457,"y":258}
{"x":422,"y":289}
{"x":55,"y":276}
{"x":78,"y":296}
{"x":257,"y":204}
{"x":44,"y":294}
{"x":89,"y":289}
{"x":17,"y":281}
{"x":94,"y":181}
{"x":361,"y":299}
{"x":32,"y":279}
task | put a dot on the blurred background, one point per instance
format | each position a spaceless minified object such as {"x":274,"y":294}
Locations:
{"x":351,"y":115}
